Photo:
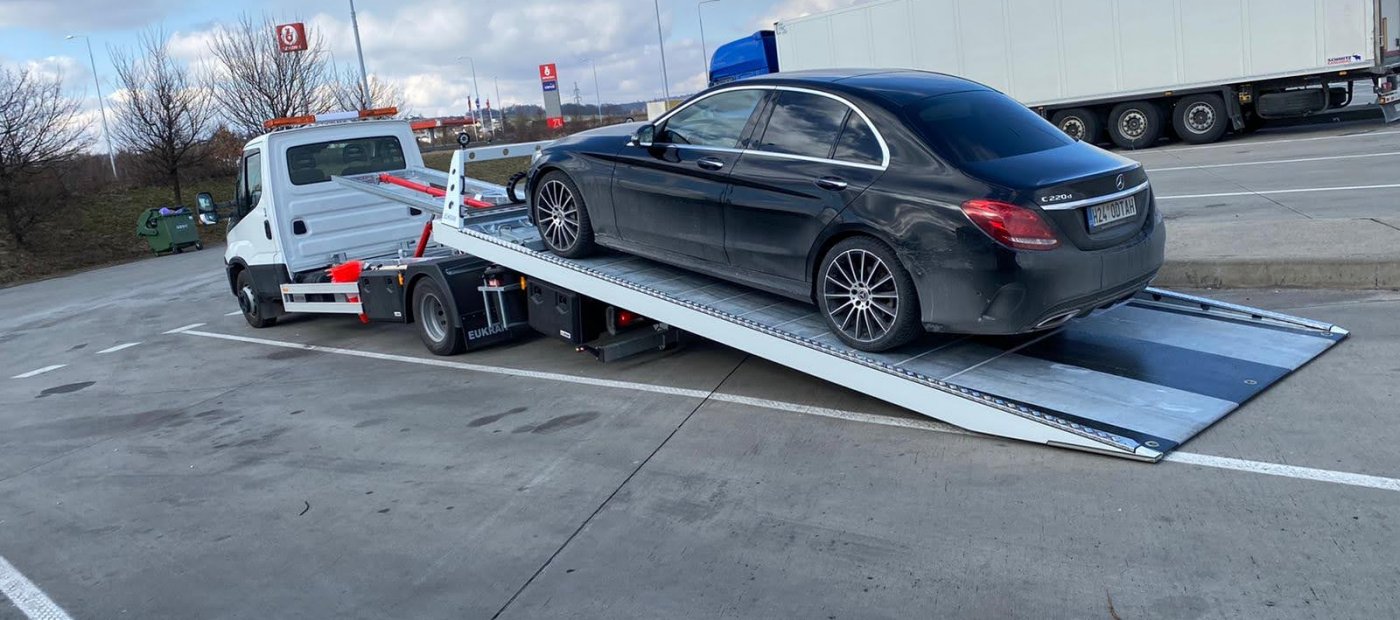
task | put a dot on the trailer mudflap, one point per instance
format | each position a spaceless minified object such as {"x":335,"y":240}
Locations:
{"x":1136,"y":381}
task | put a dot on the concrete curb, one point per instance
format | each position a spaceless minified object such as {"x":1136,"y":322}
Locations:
{"x":1362,"y":274}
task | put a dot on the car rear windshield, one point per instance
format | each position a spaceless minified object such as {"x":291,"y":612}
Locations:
{"x":315,"y":163}
{"x":980,"y":126}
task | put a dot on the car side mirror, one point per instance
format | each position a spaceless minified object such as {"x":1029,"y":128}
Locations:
{"x":645,"y":136}
{"x":208,"y":212}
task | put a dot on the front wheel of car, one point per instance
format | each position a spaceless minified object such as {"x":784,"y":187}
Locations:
{"x":866,"y":295}
{"x":561,"y":218}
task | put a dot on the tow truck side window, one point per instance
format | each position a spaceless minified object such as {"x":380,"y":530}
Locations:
{"x":249,"y":190}
{"x":308,"y":164}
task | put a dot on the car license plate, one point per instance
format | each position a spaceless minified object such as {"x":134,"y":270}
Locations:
{"x":1108,"y":213}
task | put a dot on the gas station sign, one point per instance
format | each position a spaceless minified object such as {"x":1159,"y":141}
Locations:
{"x":549,"y":83}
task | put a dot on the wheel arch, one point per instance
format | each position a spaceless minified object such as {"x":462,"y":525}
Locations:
{"x":234,"y":267}
{"x":837,"y":235}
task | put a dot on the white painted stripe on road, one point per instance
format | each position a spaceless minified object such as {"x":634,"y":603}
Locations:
{"x":35,"y":373}
{"x":1270,"y":192}
{"x":1200,"y":460}
{"x":234,"y":313}
{"x":442,"y":363}
{"x":1226,"y":145}
{"x":1274,"y":161}
{"x":31,"y":601}
{"x":126,"y":345}
{"x":1286,"y":471}
{"x":186,"y":328}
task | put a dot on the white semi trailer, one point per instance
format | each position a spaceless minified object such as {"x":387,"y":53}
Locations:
{"x":1136,"y":69}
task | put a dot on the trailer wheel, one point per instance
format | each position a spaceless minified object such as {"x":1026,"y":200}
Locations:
{"x":249,"y":304}
{"x":1135,"y":125}
{"x":436,"y":325}
{"x":866,"y":295}
{"x":561,"y":217}
{"x":1200,"y":119}
{"x":1079,"y":123}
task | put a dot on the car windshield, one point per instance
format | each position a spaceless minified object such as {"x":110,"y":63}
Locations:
{"x":979,"y":126}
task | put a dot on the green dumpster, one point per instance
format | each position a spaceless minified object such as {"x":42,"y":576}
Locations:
{"x":168,"y":233}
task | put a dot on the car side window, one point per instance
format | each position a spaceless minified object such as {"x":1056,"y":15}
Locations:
{"x":858,"y":143}
{"x":803,"y":124}
{"x":717,"y":120}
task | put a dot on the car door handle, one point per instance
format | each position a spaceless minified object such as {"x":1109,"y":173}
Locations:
{"x":832,"y":183}
{"x":710,"y":163}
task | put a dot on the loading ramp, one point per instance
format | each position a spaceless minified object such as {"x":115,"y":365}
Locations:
{"x":1136,"y":381}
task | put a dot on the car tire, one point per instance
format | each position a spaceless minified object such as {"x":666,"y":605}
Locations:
{"x":248,"y":302}
{"x":866,"y":295}
{"x":561,"y":216}
{"x":1082,"y":124}
{"x":1135,"y":124}
{"x":436,"y":326}
{"x":1200,"y":119}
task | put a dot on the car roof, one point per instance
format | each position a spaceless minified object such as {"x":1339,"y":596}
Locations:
{"x":893,"y":87}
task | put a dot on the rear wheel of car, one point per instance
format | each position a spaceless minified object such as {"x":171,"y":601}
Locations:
{"x":561,"y":217}
{"x":1135,"y":125}
{"x":249,"y":304}
{"x":866,"y":295}
{"x":436,"y":326}
{"x":1200,"y":119}
{"x":1082,"y":124}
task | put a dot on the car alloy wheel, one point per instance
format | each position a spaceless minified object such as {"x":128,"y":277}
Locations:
{"x":862,"y":299}
{"x":557,"y":214}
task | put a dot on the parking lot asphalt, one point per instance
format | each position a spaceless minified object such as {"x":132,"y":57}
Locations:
{"x":323,"y":468}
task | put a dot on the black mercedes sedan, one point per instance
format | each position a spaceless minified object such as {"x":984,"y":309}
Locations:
{"x":897,"y":201}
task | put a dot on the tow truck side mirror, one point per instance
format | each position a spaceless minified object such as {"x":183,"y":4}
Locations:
{"x":208,"y":213}
{"x":645,"y":136}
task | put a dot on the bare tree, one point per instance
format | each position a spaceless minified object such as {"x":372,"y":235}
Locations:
{"x":260,"y":82}
{"x":40,"y":132}
{"x":348,"y":92}
{"x":164,"y":113}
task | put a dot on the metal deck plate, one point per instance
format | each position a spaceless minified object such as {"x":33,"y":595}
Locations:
{"x":1148,"y":374}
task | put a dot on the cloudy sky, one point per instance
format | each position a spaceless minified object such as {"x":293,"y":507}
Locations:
{"x":417,"y":42}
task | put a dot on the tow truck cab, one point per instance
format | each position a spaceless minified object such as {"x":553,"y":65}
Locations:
{"x":290,"y":221}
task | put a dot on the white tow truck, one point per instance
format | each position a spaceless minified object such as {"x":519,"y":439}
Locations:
{"x":333,"y":218}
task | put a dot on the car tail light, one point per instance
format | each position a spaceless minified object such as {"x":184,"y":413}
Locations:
{"x":1010,"y":225}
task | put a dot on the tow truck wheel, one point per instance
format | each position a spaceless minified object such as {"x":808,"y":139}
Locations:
{"x":866,"y":296}
{"x":561,"y":217}
{"x":248,"y":302}
{"x":436,"y":325}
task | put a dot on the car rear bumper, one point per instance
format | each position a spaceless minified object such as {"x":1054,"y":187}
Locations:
{"x":1001,"y":291}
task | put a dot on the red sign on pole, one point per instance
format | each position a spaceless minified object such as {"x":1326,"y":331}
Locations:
{"x":554,"y":123}
{"x":291,"y":37}
{"x":547,"y":73}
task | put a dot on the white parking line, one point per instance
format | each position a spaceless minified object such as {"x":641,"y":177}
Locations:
{"x":1226,"y":145}
{"x":1275,"y":161}
{"x":234,"y":313}
{"x":1200,"y":460}
{"x":1270,"y":192}
{"x":35,"y":373}
{"x":31,"y":601}
{"x":185,"y":328}
{"x":126,"y":345}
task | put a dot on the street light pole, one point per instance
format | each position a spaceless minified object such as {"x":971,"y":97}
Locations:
{"x":597,"y":94}
{"x":475,"y":93}
{"x":106,"y":132}
{"x":660,"y":39}
{"x":500,"y":105}
{"x":704,"y":50}
{"x":364,"y":75}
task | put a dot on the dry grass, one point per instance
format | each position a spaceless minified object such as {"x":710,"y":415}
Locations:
{"x":496,"y":171}
{"x":98,"y":231}
{"x":101,"y":230}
